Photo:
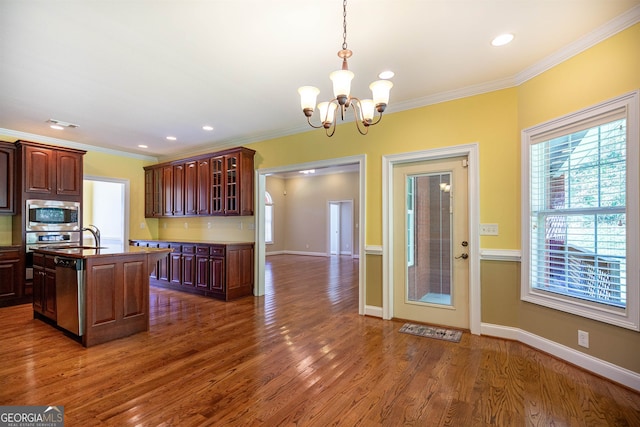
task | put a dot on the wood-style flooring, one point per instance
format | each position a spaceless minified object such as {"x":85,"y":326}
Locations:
{"x":301,"y":355}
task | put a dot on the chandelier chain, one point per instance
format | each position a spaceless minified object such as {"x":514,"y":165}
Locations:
{"x":344,"y":24}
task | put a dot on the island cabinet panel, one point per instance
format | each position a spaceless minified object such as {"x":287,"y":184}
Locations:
{"x":103,"y":279}
{"x":7,"y":178}
{"x":224,"y":271}
{"x":207,"y":185}
{"x":133,"y":295}
{"x":117,"y":295}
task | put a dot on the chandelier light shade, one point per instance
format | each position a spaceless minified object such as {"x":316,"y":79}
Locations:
{"x":364,"y":110}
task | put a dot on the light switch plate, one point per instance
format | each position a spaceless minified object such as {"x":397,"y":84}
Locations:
{"x":488,"y":229}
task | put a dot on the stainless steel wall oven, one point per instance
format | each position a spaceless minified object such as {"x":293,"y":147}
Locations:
{"x":52,"y":215}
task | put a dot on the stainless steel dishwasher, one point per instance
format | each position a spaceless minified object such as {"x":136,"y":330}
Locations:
{"x":70,"y":294}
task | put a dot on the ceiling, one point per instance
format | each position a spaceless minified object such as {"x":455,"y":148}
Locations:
{"x":134,"y":72}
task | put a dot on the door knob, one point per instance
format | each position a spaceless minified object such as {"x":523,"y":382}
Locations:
{"x":463,"y":256}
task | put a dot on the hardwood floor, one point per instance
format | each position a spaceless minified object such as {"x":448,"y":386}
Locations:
{"x":301,"y":355}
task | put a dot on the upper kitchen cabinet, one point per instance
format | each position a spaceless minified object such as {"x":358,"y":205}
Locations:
{"x":50,"y":172}
{"x":232,"y":182}
{"x":7,"y":182}
{"x":207,"y":185}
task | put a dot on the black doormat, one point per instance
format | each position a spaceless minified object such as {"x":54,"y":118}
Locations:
{"x":451,"y":335}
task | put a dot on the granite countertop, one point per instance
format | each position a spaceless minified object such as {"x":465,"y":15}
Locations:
{"x":90,"y":252}
{"x":186,"y":242}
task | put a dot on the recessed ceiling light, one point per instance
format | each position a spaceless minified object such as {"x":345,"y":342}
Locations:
{"x":59,"y":124}
{"x":386,"y":74}
{"x":142,"y":146}
{"x":171,"y":138}
{"x":502,"y":39}
{"x":208,"y":128}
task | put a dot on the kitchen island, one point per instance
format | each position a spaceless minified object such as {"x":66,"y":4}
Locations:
{"x":94,"y":294}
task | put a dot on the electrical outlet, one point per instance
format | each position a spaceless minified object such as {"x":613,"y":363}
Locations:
{"x":488,"y":229}
{"x":583,"y":338}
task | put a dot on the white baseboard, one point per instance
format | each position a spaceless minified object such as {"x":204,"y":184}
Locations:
{"x":593,"y":364}
{"x":372,"y":310}
{"x":295,"y":253}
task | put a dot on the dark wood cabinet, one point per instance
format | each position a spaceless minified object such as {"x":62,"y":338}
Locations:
{"x":232,"y":183}
{"x":207,"y":185}
{"x":7,"y":178}
{"x":167,"y":190}
{"x":203,"y":187}
{"x":49,"y":172}
{"x":148,"y":191}
{"x":10,"y":272}
{"x":191,"y":188}
{"x":188,"y":265}
{"x":177,"y":195}
{"x":224,"y":271}
{"x":44,"y":286}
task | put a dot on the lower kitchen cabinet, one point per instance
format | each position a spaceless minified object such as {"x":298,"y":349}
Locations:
{"x":11,"y":272}
{"x":44,"y":286}
{"x":219,"y":270}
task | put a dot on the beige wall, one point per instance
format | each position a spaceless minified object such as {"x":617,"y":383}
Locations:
{"x":302,"y":214}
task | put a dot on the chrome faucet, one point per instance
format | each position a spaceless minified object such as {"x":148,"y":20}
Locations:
{"x":95,"y":232}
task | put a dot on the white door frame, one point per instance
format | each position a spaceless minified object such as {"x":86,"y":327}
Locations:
{"x":388,"y":162}
{"x":341,"y":220}
{"x":125,"y":201}
{"x":260,"y":248}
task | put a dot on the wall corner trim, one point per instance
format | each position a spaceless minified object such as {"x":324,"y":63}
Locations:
{"x":597,"y":366}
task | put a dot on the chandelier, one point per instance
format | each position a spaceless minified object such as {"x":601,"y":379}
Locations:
{"x":363,"y":109}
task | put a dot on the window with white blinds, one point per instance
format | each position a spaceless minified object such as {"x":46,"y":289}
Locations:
{"x":581,"y":224}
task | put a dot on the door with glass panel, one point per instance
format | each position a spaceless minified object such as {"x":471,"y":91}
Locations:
{"x":430,"y":242}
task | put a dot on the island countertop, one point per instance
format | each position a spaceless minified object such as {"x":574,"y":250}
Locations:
{"x":92,"y":252}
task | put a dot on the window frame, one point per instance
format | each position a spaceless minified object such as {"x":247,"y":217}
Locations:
{"x":268,"y":206}
{"x":629,"y":317}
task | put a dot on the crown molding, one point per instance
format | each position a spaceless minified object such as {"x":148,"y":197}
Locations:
{"x":71,"y":144}
{"x":620,"y":23}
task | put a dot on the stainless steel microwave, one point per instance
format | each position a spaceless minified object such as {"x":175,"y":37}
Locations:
{"x":52,"y":215}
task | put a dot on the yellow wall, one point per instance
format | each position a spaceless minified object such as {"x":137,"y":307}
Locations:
{"x":128,"y":168}
{"x":608,"y":69}
{"x":488,"y":119}
{"x":494,"y":121}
